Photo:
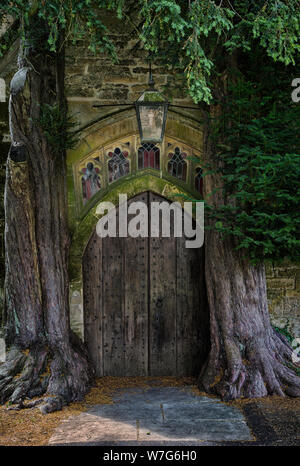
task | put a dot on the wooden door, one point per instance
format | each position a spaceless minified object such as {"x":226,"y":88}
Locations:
{"x":145,"y":307}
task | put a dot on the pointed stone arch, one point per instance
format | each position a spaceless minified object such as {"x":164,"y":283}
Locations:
{"x":111,"y":130}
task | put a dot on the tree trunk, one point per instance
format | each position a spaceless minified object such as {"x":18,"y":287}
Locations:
{"x":44,"y":356}
{"x":248,"y":358}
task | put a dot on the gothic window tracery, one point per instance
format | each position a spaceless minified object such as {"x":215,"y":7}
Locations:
{"x":148,"y":156}
{"x":199,"y":180}
{"x":105,"y":165}
{"x":118,"y":165}
{"x":90,"y":181}
{"x":177,"y":166}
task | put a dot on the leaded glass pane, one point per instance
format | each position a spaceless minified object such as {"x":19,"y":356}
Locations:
{"x":118,"y":166}
{"x":177,"y":165}
{"x":149,"y":156}
{"x":90,"y":181}
{"x":199,"y":180}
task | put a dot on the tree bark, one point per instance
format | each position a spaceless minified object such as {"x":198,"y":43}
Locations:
{"x":248,"y":358}
{"x":44,"y":356}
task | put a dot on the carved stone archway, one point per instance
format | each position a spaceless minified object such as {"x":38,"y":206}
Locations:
{"x":101,"y":139}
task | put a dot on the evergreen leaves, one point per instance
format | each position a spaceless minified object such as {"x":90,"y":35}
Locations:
{"x":57,"y":127}
{"x":78,"y":19}
{"x":277,"y":26}
{"x":207,"y":28}
{"x":192,"y":33}
{"x":260,"y":164}
{"x":259,"y":128}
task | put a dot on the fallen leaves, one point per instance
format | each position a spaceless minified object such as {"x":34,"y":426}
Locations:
{"x":30,"y":427}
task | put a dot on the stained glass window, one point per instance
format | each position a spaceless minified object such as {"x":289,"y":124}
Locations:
{"x":149,"y":156}
{"x":177,"y":165}
{"x":199,"y":180}
{"x":118,"y":165}
{"x":90,"y":181}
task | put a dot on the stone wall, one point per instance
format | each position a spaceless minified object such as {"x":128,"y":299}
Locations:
{"x":283,"y":284}
{"x":94,"y":79}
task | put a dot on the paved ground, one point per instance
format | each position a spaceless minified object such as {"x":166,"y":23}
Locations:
{"x":156,"y":416}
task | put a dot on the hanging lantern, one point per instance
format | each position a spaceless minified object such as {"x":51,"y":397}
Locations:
{"x":151,"y":110}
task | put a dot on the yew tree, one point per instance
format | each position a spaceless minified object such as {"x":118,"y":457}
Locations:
{"x":43,"y":353}
{"x":216,"y":45}
{"x":222,"y":49}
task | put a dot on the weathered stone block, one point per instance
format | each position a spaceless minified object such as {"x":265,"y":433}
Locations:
{"x":293,"y":326}
{"x":79,"y":91}
{"x":110,"y":70}
{"x":280,"y":322}
{"x":283,"y":283}
{"x":270,"y":272}
{"x":293,"y":293}
{"x":116,"y":93}
{"x":285,"y":272}
{"x":275,"y":294}
{"x":70,"y":59}
{"x":286,"y":306}
{"x":119,"y":80}
{"x":75,"y":70}
{"x":144,"y":69}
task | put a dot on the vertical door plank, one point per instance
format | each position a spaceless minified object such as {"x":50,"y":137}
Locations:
{"x":189,"y":304}
{"x":162,"y":303}
{"x":145,"y":305}
{"x":136,"y":301}
{"x":113,"y":306}
{"x":92,"y":284}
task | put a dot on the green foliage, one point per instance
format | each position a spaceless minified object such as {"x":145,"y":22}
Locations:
{"x":259,"y":129}
{"x":259,"y":160}
{"x":277,"y":26}
{"x":196,"y":37}
{"x":57,"y":128}
{"x":294,"y":368}
{"x":76,"y":19}
{"x":204,"y":18}
{"x":162,"y":21}
{"x":284,"y":331}
{"x":9,"y":37}
{"x":189,"y":35}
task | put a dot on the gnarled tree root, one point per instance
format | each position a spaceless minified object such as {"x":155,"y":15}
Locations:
{"x":253,"y":369}
{"x":60,"y":377}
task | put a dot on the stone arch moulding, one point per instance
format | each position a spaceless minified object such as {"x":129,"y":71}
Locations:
{"x":82,"y":224}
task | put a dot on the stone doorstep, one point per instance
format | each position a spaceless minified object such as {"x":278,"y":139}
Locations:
{"x":86,"y":429}
{"x":171,"y":415}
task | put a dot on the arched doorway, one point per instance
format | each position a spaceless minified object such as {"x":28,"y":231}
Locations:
{"x":145,"y":308}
